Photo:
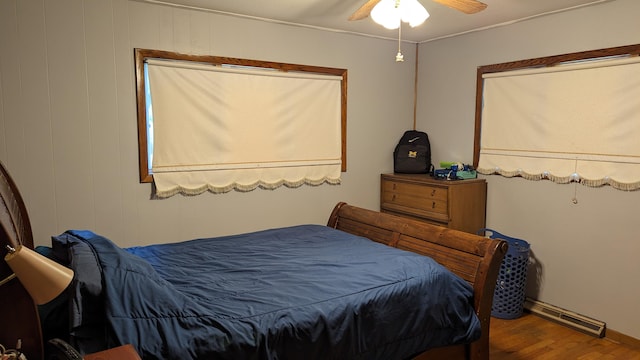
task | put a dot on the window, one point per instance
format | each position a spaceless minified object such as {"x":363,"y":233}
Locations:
{"x":218,"y":124}
{"x":567,"y":118}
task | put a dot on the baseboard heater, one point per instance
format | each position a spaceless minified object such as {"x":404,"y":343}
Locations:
{"x":566,"y":317}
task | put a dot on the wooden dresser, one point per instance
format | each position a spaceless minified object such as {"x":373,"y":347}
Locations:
{"x":456,"y":204}
{"x":124,"y":352}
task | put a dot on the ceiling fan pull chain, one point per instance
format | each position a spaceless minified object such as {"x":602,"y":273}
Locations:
{"x":399,"y":56}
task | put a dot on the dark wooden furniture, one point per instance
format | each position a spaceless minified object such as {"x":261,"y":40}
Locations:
{"x":124,"y":352}
{"x":456,"y":204}
{"x":475,"y":259}
{"x":18,"y":312}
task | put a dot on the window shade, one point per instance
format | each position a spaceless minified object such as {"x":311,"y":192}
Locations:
{"x":578,"y":122}
{"x":218,"y":129}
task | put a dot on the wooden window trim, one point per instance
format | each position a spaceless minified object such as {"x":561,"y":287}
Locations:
{"x":141,"y":55}
{"x":632,"y":50}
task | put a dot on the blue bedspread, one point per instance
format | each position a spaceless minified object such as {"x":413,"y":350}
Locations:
{"x":303,"y":292}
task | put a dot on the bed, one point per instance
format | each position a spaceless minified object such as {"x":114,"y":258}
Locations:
{"x":365,"y":286}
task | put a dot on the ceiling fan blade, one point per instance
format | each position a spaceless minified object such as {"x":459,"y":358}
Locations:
{"x":364,"y":10}
{"x":466,"y":6}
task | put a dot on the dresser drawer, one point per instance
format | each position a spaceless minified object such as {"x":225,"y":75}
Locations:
{"x":418,"y":197}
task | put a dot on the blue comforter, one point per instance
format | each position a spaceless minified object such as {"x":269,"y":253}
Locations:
{"x":303,"y":292}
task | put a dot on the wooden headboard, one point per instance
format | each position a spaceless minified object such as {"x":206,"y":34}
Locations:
{"x":474,"y":258}
{"x":18,"y":312}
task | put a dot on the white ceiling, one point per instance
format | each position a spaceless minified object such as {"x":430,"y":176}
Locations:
{"x":333,"y":14}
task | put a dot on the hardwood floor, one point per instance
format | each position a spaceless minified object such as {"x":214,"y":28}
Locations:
{"x":532,"y":337}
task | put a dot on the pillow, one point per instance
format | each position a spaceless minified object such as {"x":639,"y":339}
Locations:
{"x":87,"y":327}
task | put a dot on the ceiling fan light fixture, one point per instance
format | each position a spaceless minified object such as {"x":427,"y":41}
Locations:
{"x":414,"y":13}
{"x":389,"y":13}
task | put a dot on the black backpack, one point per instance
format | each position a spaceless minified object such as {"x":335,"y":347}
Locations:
{"x":412,"y":155}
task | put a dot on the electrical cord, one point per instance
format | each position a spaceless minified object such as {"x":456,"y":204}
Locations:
{"x":12,"y":354}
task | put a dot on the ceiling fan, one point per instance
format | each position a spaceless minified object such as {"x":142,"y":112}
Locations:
{"x":466,"y":6}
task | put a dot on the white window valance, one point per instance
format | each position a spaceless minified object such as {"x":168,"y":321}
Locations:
{"x":223,"y":128}
{"x":578,"y":122}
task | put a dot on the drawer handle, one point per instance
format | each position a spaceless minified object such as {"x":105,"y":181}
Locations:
{"x":393,"y":198}
{"x":433,"y":205}
{"x":394,"y":186}
{"x":433,"y":192}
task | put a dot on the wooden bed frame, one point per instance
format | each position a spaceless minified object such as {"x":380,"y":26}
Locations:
{"x":18,"y":313}
{"x":474,"y":258}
